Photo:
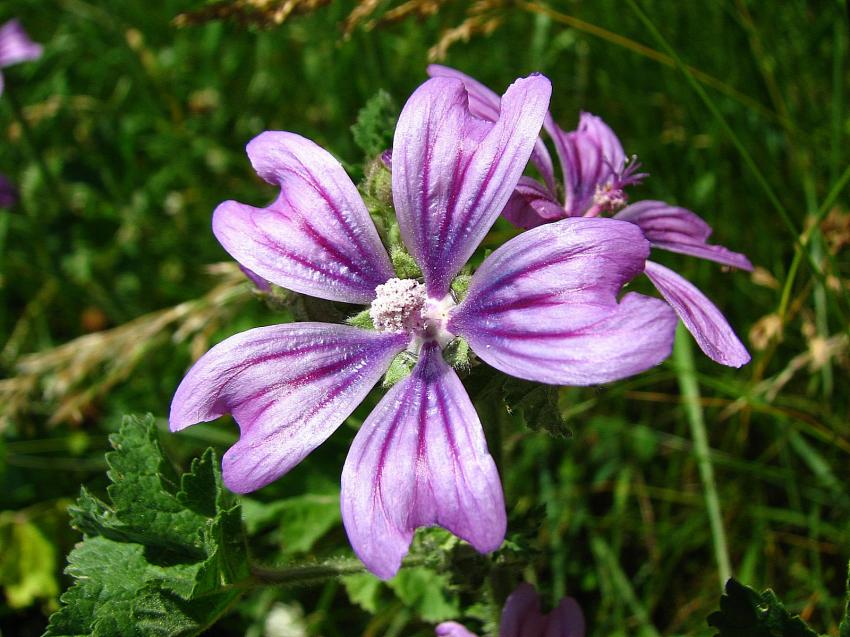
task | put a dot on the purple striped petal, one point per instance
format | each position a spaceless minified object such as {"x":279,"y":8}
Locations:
{"x":453,"y":172}
{"x":288,"y":387}
{"x":544,"y":305}
{"x":8,"y":193}
{"x":591,"y":157}
{"x":16,"y":46}
{"x":420,"y":459}
{"x":709,"y":327}
{"x":317,"y":238}
{"x":486,"y":104}
{"x":679,"y":230}
{"x":452,"y":629}
{"x":532,"y":205}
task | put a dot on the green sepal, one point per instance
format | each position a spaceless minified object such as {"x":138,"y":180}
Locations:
{"x":458,"y":354}
{"x":400,"y":368}
{"x":460,"y":286}
{"x":404,"y":265}
{"x":362,"y":320}
{"x":747,"y":613}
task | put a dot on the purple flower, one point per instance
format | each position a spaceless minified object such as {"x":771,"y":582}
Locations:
{"x":16,"y":47}
{"x":596,"y":174}
{"x":521,"y":617}
{"x":8,"y":193}
{"x":543,"y":307}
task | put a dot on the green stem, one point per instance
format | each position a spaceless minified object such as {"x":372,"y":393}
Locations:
{"x":689,"y":387}
{"x":305,"y":574}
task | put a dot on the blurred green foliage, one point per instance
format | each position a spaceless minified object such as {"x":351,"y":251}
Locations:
{"x":141,"y":127}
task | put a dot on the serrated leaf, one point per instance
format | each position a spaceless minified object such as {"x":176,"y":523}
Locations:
{"x":373,"y":131}
{"x":537,"y":404}
{"x":747,"y":613}
{"x":426,"y":592}
{"x":364,"y":589}
{"x":163,"y":556}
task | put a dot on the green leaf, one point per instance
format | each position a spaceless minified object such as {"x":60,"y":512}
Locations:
{"x":844,"y":631}
{"x":537,"y":405}
{"x":747,"y":613}
{"x":373,"y":131}
{"x":364,"y":589}
{"x":166,"y":554}
{"x":302,"y":520}
{"x":426,"y":592}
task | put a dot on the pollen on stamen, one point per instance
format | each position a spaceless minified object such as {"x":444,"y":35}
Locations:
{"x":398,"y":306}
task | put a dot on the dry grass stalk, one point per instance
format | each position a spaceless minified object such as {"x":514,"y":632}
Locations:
{"x":262,"y":13}
{"x":77,"y":373}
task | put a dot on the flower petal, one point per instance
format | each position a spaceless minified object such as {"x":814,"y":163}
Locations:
{"x":566,"y":620}
{"x":288,"y":387}
{"x":531,"y":205}
{"x":709,"y":327}
{"x":452,"y":629}
{"x":521,"y":615}
{"x":591,"y":157}
{"x":317,"y":238}
{"x":485,"y":104}
{"x":16,"y":46}
{"x":544,"y":305}
{"x":453,"y":172}
{"x":420,"y":459}
{"x":679,"y":230}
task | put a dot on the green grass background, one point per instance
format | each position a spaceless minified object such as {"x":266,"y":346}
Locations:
{"x":136,"y":130}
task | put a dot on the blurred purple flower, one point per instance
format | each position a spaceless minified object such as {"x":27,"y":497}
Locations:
{"x":8,"y":193}
{"x":595,"y":175}
{"x":521,"y":617}
{"x":543,"y":307}
{"x":16,"y":46}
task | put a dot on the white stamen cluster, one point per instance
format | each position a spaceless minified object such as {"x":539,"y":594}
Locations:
{"x":609,"y":198}
{"x":398,"y":306}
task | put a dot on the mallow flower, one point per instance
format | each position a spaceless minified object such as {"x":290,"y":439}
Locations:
{"x":521,"y":617}
{"x":596,"y":173}
{"x":544,"y":307}
{"x":16,"y":46}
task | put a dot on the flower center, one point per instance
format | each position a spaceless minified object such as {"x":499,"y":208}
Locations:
{"x":402,"y":305}
{"x":609,"y":198}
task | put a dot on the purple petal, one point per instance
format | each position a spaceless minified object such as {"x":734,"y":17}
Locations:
{"x":420,"y":459}
{"x":591,"y":157}
{"x":15,"y":45}
{"x":544,"y":305}
{"x":453,"y":173}
{"x":288,"y":387}
{"x":679,"y":230}
{"x":452,"y":629}
{"x":521,"y":615}
{"x":702,"y":318}
{"x":531,"y":205}
{"x":259,"y":282}
{"x":486,"y":104}
{"x":8,"y":193}
{"x":317,"y":238}
{"x":567,"y":620}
